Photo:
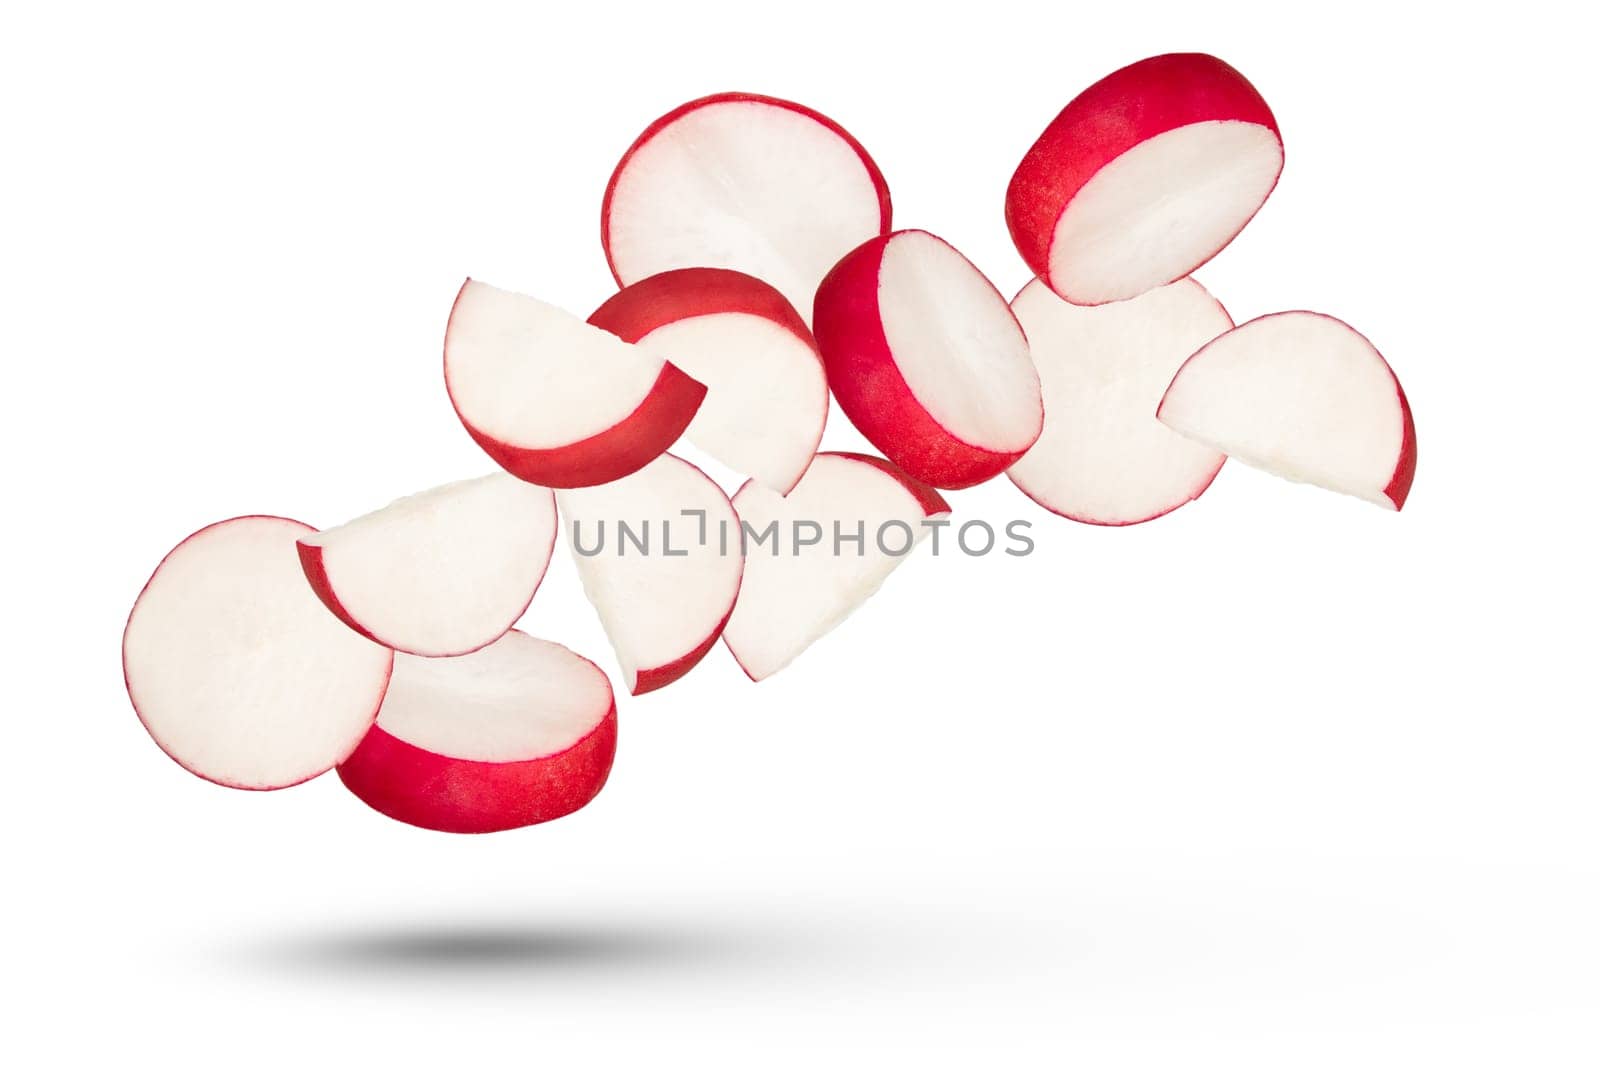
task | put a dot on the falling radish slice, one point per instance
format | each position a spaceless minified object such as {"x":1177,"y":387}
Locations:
{"x":746,"y":182}
{"x":767,"y":396}
{"x":1302,"y":396}
{"x":927,"y":360}
{"x":1103,"y":457}
{"x":440,"y":573}
{"x":235,"y":669}
{"x":554,"y":400}
{"x":517,"y":733}
{"x":658,"y":563}
{"x":1143,"y":177}
{"x":799,"y":581}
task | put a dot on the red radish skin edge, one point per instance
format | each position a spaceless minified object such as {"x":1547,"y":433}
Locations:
{"x":647,"y":681}
{"x":1097,"y":126}
{"x":885,"y":208}
{"x":127,"y":685}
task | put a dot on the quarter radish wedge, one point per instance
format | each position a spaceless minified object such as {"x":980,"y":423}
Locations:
{"x":1143,"y":177}
{"x":554,"y":400}
{"x":235,"y":669}
{"x":517,"y":733}
{"x":804,"y":570}
{"x":747,"y":182}
{"x":927,"y":360}
{"x":439,"y":573}
{"x":656,"y":565}
{"x":766,"y":393}
{"x":1103,"y":457}
{"x":1302,"y":396}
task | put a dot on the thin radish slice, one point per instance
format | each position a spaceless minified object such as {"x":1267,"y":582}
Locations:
{"x":926,"y":358}
{"x":797,"y":589}
{"x":520,"y":732}
{"x":554,"y":400}
{"x":766,"y":393}
{"x":1103,"y":457}
{"x":236,"y":670}
{"x":440,"y":573}
{"x":1143,"y":177}
{"x":746,"y":182}
{"x":1303,"y":396}
{"x":656,"y":566}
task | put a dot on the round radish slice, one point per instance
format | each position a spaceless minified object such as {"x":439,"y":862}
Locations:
{"x":517,"y":733}
{"x":927,"y":360}
{"x":1302,"y":396}
{"x":554,"y":400}
{"x":439,"y":573}
{"x":1103,"y":458}
{"x":766,"y":393}
{"x":658,"y":563}
{"x":804,"y":570}
{"x":746,"y":182}
{"x":1143,"y":177}
{"x":236,"y":670}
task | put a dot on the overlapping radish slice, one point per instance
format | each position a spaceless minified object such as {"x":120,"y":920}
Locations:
{"x":925,"y":357}
{"x":746,"y":182}
{"x":767,"y":396}
{"x":1143,"y":177}
{"x":236,"y":670}
{"x":439,"y":573}
{"x":1103,"y":457}
{"x":794,"y":593}
{"x":556,"y":401}
{"x":1303,"y":396}
{"x":519,"y":732}
{"x":657,"y":564}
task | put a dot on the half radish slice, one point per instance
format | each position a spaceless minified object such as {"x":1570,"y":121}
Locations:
{"x":1302,"y":396}
{"x":1103,"y":457}
{"x":1143,"y":177}
{"x":235,"y":669}
{"x":658,"y":564}
{"x":751,"y":183}
{"x":927,"y":360}
{"x":439,"y":573}
{"x":804,"y":570}
{"x":767,"y":396}
{"x":554,"y":400}
{"x":520,"y":732}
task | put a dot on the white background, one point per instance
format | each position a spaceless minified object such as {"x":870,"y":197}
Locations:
{"x":1278,"y":779}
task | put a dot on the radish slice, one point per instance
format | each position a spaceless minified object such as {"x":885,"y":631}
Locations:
{"x":235,"y":669}
{"x":766,"y":393}
{"x":747,"y":182}
{"x":1302,"y":396}
{"x":927,"y":360}
{"x":1103,"y":458}
{"x":517,"y":733}
{"x":794,"y":593}
{"x":554,"y":400}
{"x":1143,"y":177}
{"x":439,"y":573}
{"x":652,"y":555}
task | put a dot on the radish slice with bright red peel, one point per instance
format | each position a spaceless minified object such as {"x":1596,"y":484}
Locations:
{"x":440,"y":573}
{"x":236,"y":670}
{"x":1304,"y":396}
{"x":556,"y":401}
{"x":793,"y":594}
{"x":517,"y":733}
{"x":655,"y":562}
{"x":1143,"y":177}
{"x":925,"y":357}
{"x":766,"y":393}
{"x":751,"y":183}
{"x":1103,"y":457}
